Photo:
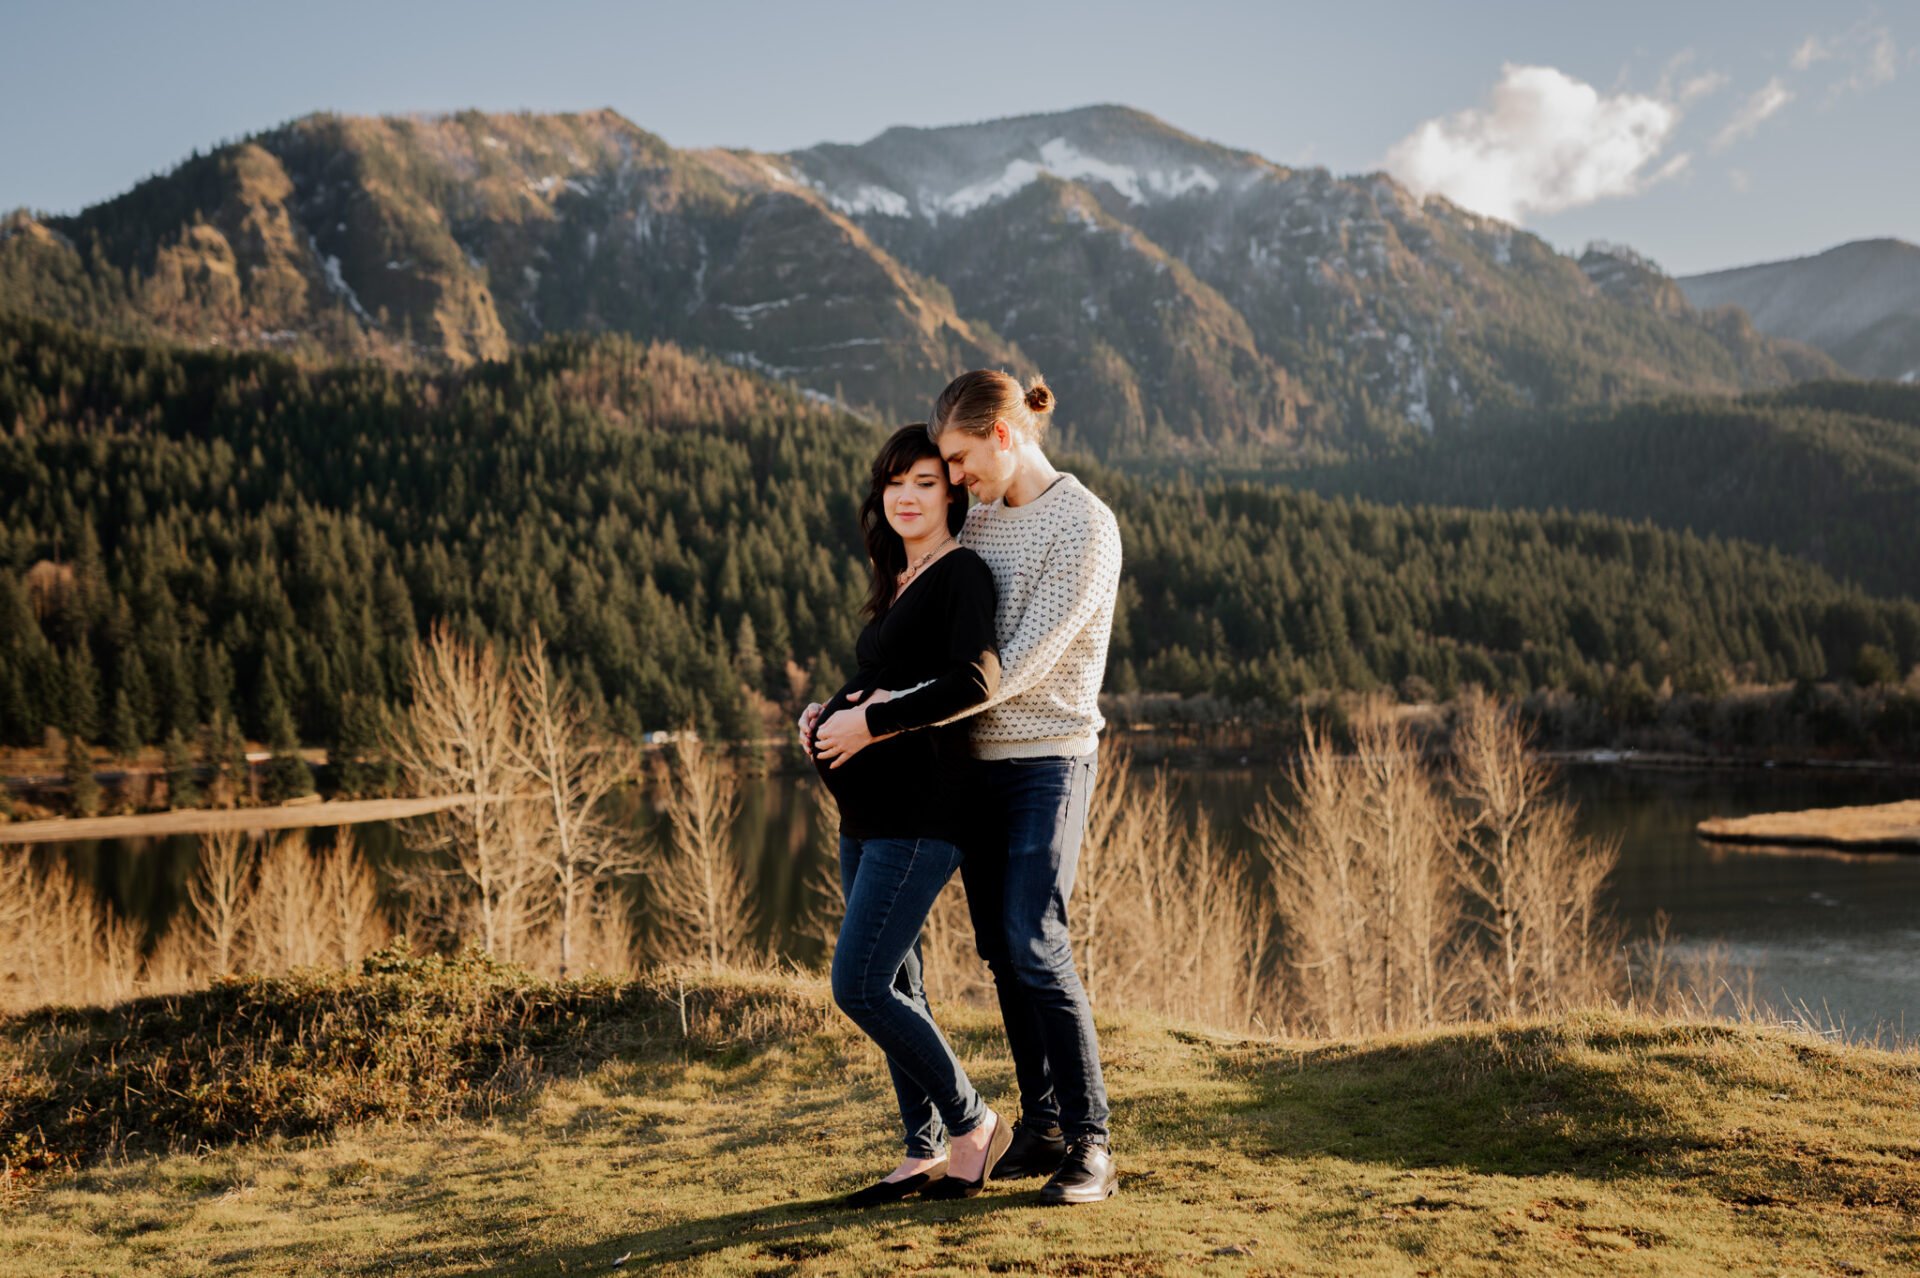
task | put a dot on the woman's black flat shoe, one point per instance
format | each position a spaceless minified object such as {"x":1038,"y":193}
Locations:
{"x":954,"y":1187}
{"x":882,"y":1192}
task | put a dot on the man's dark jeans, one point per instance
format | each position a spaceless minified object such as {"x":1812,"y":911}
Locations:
{"x":1019,"y":874}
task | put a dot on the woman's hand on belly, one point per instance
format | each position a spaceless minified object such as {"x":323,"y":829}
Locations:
{"x":809,"y":717}
{"x":845,"y":733}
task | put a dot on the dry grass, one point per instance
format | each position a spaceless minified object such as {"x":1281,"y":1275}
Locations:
{"x":1882,"y":826}
{"x":592,"y":1127}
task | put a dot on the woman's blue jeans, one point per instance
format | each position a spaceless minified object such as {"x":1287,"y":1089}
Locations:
{"x":890,"y":885}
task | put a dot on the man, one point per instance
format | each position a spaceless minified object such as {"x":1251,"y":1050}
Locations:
{"x":1054,"y":550}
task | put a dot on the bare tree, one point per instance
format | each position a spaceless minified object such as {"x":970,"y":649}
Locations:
{"x":574,"y":770}
{"x":1162,"y":918}
{"x":1536,"y":881}
{"x":287,"y":917}
{"x":459,"y":738}
{"x":351,"y":892}
{"x":612,"y":945}
{"x":1362,"y":882}
{"x":218,"y":898}
{"x":1321,"y":883}
{"x":703,"y":907}
{"x":65,"y":944}
{"x":1411,"y":830}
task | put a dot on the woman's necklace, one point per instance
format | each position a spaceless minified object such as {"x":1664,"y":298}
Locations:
{"x":918,"y":564}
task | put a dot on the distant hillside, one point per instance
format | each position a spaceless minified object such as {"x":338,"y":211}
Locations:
{"x":1187,"y":299}
{"x":1859,"y":302}
{"x":1826,"y":471}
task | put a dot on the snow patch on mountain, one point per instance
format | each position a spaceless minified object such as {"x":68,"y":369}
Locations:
{"x":777,"y":175}
{"x":747,"y":314}
{"x":1063,"y":160}
{"x":330,"y":266}
{"x":867,"y":198}
{"x":1178,"y":183}
{"x":1413,"y":376}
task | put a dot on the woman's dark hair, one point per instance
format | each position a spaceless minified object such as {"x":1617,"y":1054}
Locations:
{"x":884,"y":547}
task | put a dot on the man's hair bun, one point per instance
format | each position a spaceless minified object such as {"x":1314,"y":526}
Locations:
{"x":1039,"y":397}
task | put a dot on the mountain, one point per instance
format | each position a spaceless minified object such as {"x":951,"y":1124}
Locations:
{"x":1187,"y":299}
{"x":1371,"y":311}
{"x":1859,"y":302}
{"x":1826,"y":471}
{"x":462,"y":237}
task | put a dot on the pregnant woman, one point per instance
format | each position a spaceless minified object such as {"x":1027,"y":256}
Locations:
{"x":903,"y":802}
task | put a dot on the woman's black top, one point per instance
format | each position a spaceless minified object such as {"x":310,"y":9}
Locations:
{"x":938,"y":640}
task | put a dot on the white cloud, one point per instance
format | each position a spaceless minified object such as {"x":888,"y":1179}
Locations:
{"x":1740,"y":180}
{"x":1701,"y":86}
{"x":1878,"y":65}
{"x":1812,"y":49}
{"x":1871,"y":52}
{"x":1674,"y":89}
{"x":1753,"y":112}
{"x":1544,"y":142}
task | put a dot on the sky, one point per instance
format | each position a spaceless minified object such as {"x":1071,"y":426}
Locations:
{"x":1703,"y":135}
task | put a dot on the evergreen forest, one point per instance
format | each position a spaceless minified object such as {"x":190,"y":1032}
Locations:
{"x":194,"y":541}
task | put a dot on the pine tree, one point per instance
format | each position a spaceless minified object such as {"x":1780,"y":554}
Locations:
{"x":227,"y":753}
{"x":286,"y":775}
{"x":81,"y":783}
{"x":747,"y":662}
{"x":183,"y":781}
{"x":139,"y":689}
{"x":216,"y":681}
{"x":123,"y":730}
{"x":19,"y":721}
{"x":1874,"y":665}
{"x":361,"y":767}
{"x":83,"y":694}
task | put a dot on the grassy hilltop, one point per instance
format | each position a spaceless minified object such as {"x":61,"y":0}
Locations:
{"x":434,"y":1117}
